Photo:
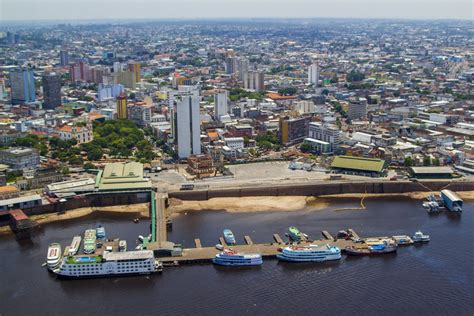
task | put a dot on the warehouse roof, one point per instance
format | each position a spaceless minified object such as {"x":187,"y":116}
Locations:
{"x":358,"y":163}
{"x":117,"y":176}
{"x":432,"y":170}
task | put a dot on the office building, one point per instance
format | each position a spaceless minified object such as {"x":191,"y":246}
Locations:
{"x":254,"y":80}
{"x":135,"y":68}
{"x":327,"y":133}
{"x":188,"y":126}
{"x":230,"y":65}
{"x":313,"y":75}
{"x":357,"y":108}
{"x":140,"y":114}
{"x":293,"y":131}
{"x":122,"y":107}
{"x":63,"y":58}
{"x":22,"y":84}
{"x":19,"y":158}
{"x":221,"y":104}
{"x":51,"y":91}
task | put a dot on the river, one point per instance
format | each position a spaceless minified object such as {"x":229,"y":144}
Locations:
{"x":428,"y":279}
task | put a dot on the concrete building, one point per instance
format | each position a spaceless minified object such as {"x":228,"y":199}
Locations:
{"x":22,"y":84}
{"x":135,"y":68}
{"x":63,"y":58}
{"x":107,"y":91}
{"x":19,"y":158}
{"x":140,"y":114}
{"x":126,"y":78}
{"x":188,"y":126}
{"x":242,"y":67}
{"x":327,"y":133}
{"x":234,"y":142}
{"x":313,"y":75}
{"x":293,"y":130}
{"x":201,"y":166}
{"x":51,"y":91}
{"x":82,"y":134}
{"x":123,"y":176}
{"x":254,"y":80}
{"x":122,"y":107}
{"x":221,"y":104}
{"x":357,"y":108}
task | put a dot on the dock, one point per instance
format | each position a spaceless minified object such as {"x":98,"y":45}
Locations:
{"x":353,"y":233}
{"x":222,"y":241}
{"x":278,"y":239}
{"x":327,"y":235}
{"x":248,"y":240}
{"x":197,"y":242}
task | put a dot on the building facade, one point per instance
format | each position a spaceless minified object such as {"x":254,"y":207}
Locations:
{"x":20,"y":158}
{"x":22,"y":84}
{"x":293,"y":130}
{"x":122,"y":113}
{"x":313,"y":74}
{"x":357,"y":108}
{"x":327,"y":133}
{"x":51,"y":91}
{"x":188,"y":126}
{"x":82,"y":134}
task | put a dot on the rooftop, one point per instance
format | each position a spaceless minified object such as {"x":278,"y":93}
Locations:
{"x":117,"y":176}
{"x":358,"y":163}
{"x":432,"y":170}
{"x":128,"y":255}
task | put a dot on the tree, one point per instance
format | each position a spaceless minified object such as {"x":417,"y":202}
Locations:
{"x":88,"y":165}
{"x":426,"y":161}
{"x":408,"y":162}
{"x":436,"y":162}
{"x":305,"y":148}
{"x":355,"y":76}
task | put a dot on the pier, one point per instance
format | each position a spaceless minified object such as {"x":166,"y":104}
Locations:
{"x":202,"y":254}
{"x":327,"y":235}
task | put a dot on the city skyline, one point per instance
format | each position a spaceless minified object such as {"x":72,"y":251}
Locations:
{"x":13,"y":10}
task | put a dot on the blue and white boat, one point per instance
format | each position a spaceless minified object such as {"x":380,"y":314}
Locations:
{"x":311,"y":253}
{"x":229,"y":237}
{"x":232,"y":258}
{"x":100,"y":232}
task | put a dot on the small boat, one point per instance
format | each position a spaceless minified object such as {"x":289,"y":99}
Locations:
{"x":122,"y":245}
{"x":233,"y":258}
{"x":402,"y":240}
{"x":75,"y":245}
{"x":219,"y":247}
{"x":100,"y":232}
{"x":54,"y":256}
{"x":431,"y":206}
{"x":420,"y":237}
{"x":229,"y":237}
{"x":379,"y":249}
{"x":294,"y":233}
{"x":311,"y":253}
{"x":139,"y":247}
{"x":140,"y":237}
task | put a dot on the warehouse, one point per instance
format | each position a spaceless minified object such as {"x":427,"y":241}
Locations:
{"x":431,"y":172}
{"x":369,"y":167}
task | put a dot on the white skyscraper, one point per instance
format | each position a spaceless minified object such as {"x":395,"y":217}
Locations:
{"x":313,"y":74}
{"x":188,"y":126}
{"x":221,"y":104}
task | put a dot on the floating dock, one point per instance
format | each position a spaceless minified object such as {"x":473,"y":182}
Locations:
{"x":327,"y":235}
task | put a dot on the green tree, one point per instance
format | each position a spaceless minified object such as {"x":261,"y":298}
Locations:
{"x":426,"y":161}
{"x":408,"y":162}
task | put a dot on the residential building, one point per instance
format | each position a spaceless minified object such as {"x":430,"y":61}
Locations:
{"x":188,"y":126}
{"x":22,"y":84}
{"x":19,"y":158}
{"x":122,"y":107}
{"x":357,"y":108}
{"x":140,"y":114}
{"x":327,"y":133}
{"x":254,"y":80}
{"x":221,"y":104}
{"x":135,"y":68}
{"x":107,"y":91}
{"x":51,"y":91}
{"x":313,"y":74}
{"x":63,"y":58}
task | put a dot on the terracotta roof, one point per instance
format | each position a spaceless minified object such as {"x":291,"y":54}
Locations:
{"x":279,"y":97}
{"x":8,"y":189}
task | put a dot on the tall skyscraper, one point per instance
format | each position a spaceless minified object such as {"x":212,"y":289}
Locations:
{"x":51,"y":91}
{"x":242,"y":67}
{"x":230,"y":65}
{"x":188,"y":126}
{"x":313,"y":75}
{"x":221,"y":104}
{"x":135,"y":68}
{"x":254,"y":81}
{"x":2,"y":90}
{"x":22,"y":84}
{"x":122,"y":107}
{"x":63,"y":58}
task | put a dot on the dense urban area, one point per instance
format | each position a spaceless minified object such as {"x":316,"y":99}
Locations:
{"x":131,"y":105}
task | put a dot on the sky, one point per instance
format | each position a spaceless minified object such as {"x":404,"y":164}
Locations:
{"x":65,"y":10}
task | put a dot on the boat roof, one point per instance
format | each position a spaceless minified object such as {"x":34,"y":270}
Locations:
{"x":453,"y":196}
{"x":128,"y":255}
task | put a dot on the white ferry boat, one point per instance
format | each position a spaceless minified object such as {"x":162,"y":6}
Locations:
{"x":420,"y":237}
{"x":53,"y":258}
{"x":232,"y":258}
{"x":74,"y":247}
{"x":310,"y":253}
{"x":109,"y":264}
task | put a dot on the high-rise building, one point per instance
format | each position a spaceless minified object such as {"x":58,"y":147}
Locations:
{"x":221,"y":104}
{"x":254,"y":80}
{"x":313,"y":74}
{"x":2,"y":90}
{"x":357,"y":108}
{"x":109,"y":91}
{"x":327,"y":133}
{"x":63,"y":58}
{"x":242,"y":67}
{"x":188,"y":126}
{"x":140,"y":114}
{"x":293,"y":131}
{"x":22,"y":84}
{"x":122,"y":107}
{"x":127,"y":78}
{"x":230,"y":65}
{"x":80,"y":71}
{"x":135,"y":68}
{"x":51,"y":91}
{"x":117,"y":66}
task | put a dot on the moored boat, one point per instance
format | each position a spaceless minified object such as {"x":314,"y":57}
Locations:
{"x":89,"y":241}
{"x":100,"y":232}
{"x":310,"y":253}
{"x":371,"y":250}
{"x":294,"y":233}
{"x":75,"y":245}
{"x":229,"y":237}
{"x":402,"y":240}
{"x":122,"y":245}
{"x":53,"y":258}
{"x":233,"y":258}
{"x":420,"y":237}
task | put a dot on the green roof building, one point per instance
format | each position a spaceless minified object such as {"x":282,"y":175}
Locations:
{"x":123,"y":176}
{"x":358,"y":165}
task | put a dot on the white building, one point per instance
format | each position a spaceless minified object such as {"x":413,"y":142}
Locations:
{"x":254,"y":80}
{"x":234,"y":142}
{"x":304,"y":107}
{"x":83,"y":134}
{"x":327,"y":133}
{"x":109,"y":91}
{"x":188,"y":129}
{"x":313,"y":75}
{"x":221,"y":104}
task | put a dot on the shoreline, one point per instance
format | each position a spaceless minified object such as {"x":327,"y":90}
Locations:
{"x":250,"y":204}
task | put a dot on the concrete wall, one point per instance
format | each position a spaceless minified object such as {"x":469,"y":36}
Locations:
{"x":327,"y":188}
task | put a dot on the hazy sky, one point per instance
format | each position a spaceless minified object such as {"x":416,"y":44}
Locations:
{"x":146,"y":9}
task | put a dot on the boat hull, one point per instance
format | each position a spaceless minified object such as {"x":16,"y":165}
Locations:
{"x":100,"y":276}
{"x":366,"y":252}
{"x":289,"y":259}
{"x":235,"y":264}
